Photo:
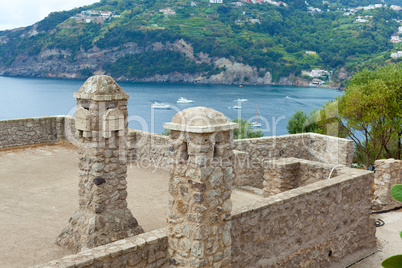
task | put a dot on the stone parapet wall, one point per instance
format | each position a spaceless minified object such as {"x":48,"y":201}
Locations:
{"x":145,"y":250}
{"x":324,"y":224}
{"x":69,"y":131}
{"x":249,"y":171}
{"x":154,"y":148}
{"x":289,"y":173}
{"x":309,"y":146}
{"x":29,"y":131}
{"x":148,"y":149}
{"x":388,"y":172}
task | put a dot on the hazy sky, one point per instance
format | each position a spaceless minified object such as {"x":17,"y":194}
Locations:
{"x":18,"y":13}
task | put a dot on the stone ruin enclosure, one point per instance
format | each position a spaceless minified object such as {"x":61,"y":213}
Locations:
{"x":303,"y":219}
{"x":101,"y":127}
{"x":291,"y":173}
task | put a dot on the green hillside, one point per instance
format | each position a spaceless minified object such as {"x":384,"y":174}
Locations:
{"x":265,"y":36}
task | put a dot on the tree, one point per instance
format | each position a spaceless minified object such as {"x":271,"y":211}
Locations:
{"x":245,"y":130}
{"x":299,"y":122}
{"x":370,"y":112}
{"x":296,"y":122}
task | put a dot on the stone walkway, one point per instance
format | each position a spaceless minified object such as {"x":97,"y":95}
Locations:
{"x":39,"y":193}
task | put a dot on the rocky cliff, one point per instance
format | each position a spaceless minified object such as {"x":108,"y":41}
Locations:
{"x":57,"y":63}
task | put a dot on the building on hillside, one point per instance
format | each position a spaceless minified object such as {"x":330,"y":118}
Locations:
{"x":282,"y":3}
{"x":317,"y":82}
{"x":167,"y":11}
{"x":396,"y":8}
{"x":316,"y":73}
{"x":396,"y":55}
{"x":360,"y":20}
{"x":313,"y":10}
{"x":106,"y":14}
{"x":370,"y":7}
{"x":270,"y":2}
{"x":309,"y":52}
{"x":94,"y":16}
{"x":216,"y":1}
{"x":395,"y":39}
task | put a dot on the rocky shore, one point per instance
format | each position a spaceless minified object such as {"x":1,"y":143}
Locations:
{"x":56,"y":63}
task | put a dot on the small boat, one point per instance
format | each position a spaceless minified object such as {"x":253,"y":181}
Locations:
{"x":184,"y":100}
{"x":241,"y":100}
{"x":256,"y":124}
{"x":287,"y":97}
{"x":157,"y":105}
{"x":237,"y":107}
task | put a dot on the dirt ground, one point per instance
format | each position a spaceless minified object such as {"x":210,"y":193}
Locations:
{"x":39,"y":193}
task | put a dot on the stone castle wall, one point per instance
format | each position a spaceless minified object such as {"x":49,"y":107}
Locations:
{"x":148,"y":149}
{"x":309,"y":146}
{"x":249,"y":170}
{"x":28,"y":131}
{"x":154,"y":148}
{"x":388,"y":172}
{"x":147,"y":250}
{"x":324,"y":224}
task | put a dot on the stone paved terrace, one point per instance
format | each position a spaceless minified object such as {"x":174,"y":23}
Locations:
{"x":39,"y":192}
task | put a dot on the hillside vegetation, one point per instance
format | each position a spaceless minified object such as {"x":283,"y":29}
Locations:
{"x":139,"y":41}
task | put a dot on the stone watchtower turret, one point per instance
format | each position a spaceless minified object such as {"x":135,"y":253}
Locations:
{"x":101,"y":125}
{"x":200,"y":187}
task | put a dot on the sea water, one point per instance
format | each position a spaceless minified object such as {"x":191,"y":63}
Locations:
{"x":270,"y":105}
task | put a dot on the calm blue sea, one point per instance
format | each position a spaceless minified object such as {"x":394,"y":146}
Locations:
{"x":32,"y":97}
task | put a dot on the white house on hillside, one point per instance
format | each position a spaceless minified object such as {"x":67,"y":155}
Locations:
{"x":396,"y":55}
{"x":316,"y":73}
{"x":216,"y":1}
{"x":395,"y":39}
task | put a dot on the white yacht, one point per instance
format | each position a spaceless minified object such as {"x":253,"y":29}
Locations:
{"x":184,"y":100}
{"x":237,"y":107}
{"x":157,"y":105}
{"x":256,"y":124}
{"x":241,"y":100}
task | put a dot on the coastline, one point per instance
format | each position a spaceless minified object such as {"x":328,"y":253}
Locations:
{"x":173,"y":81}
